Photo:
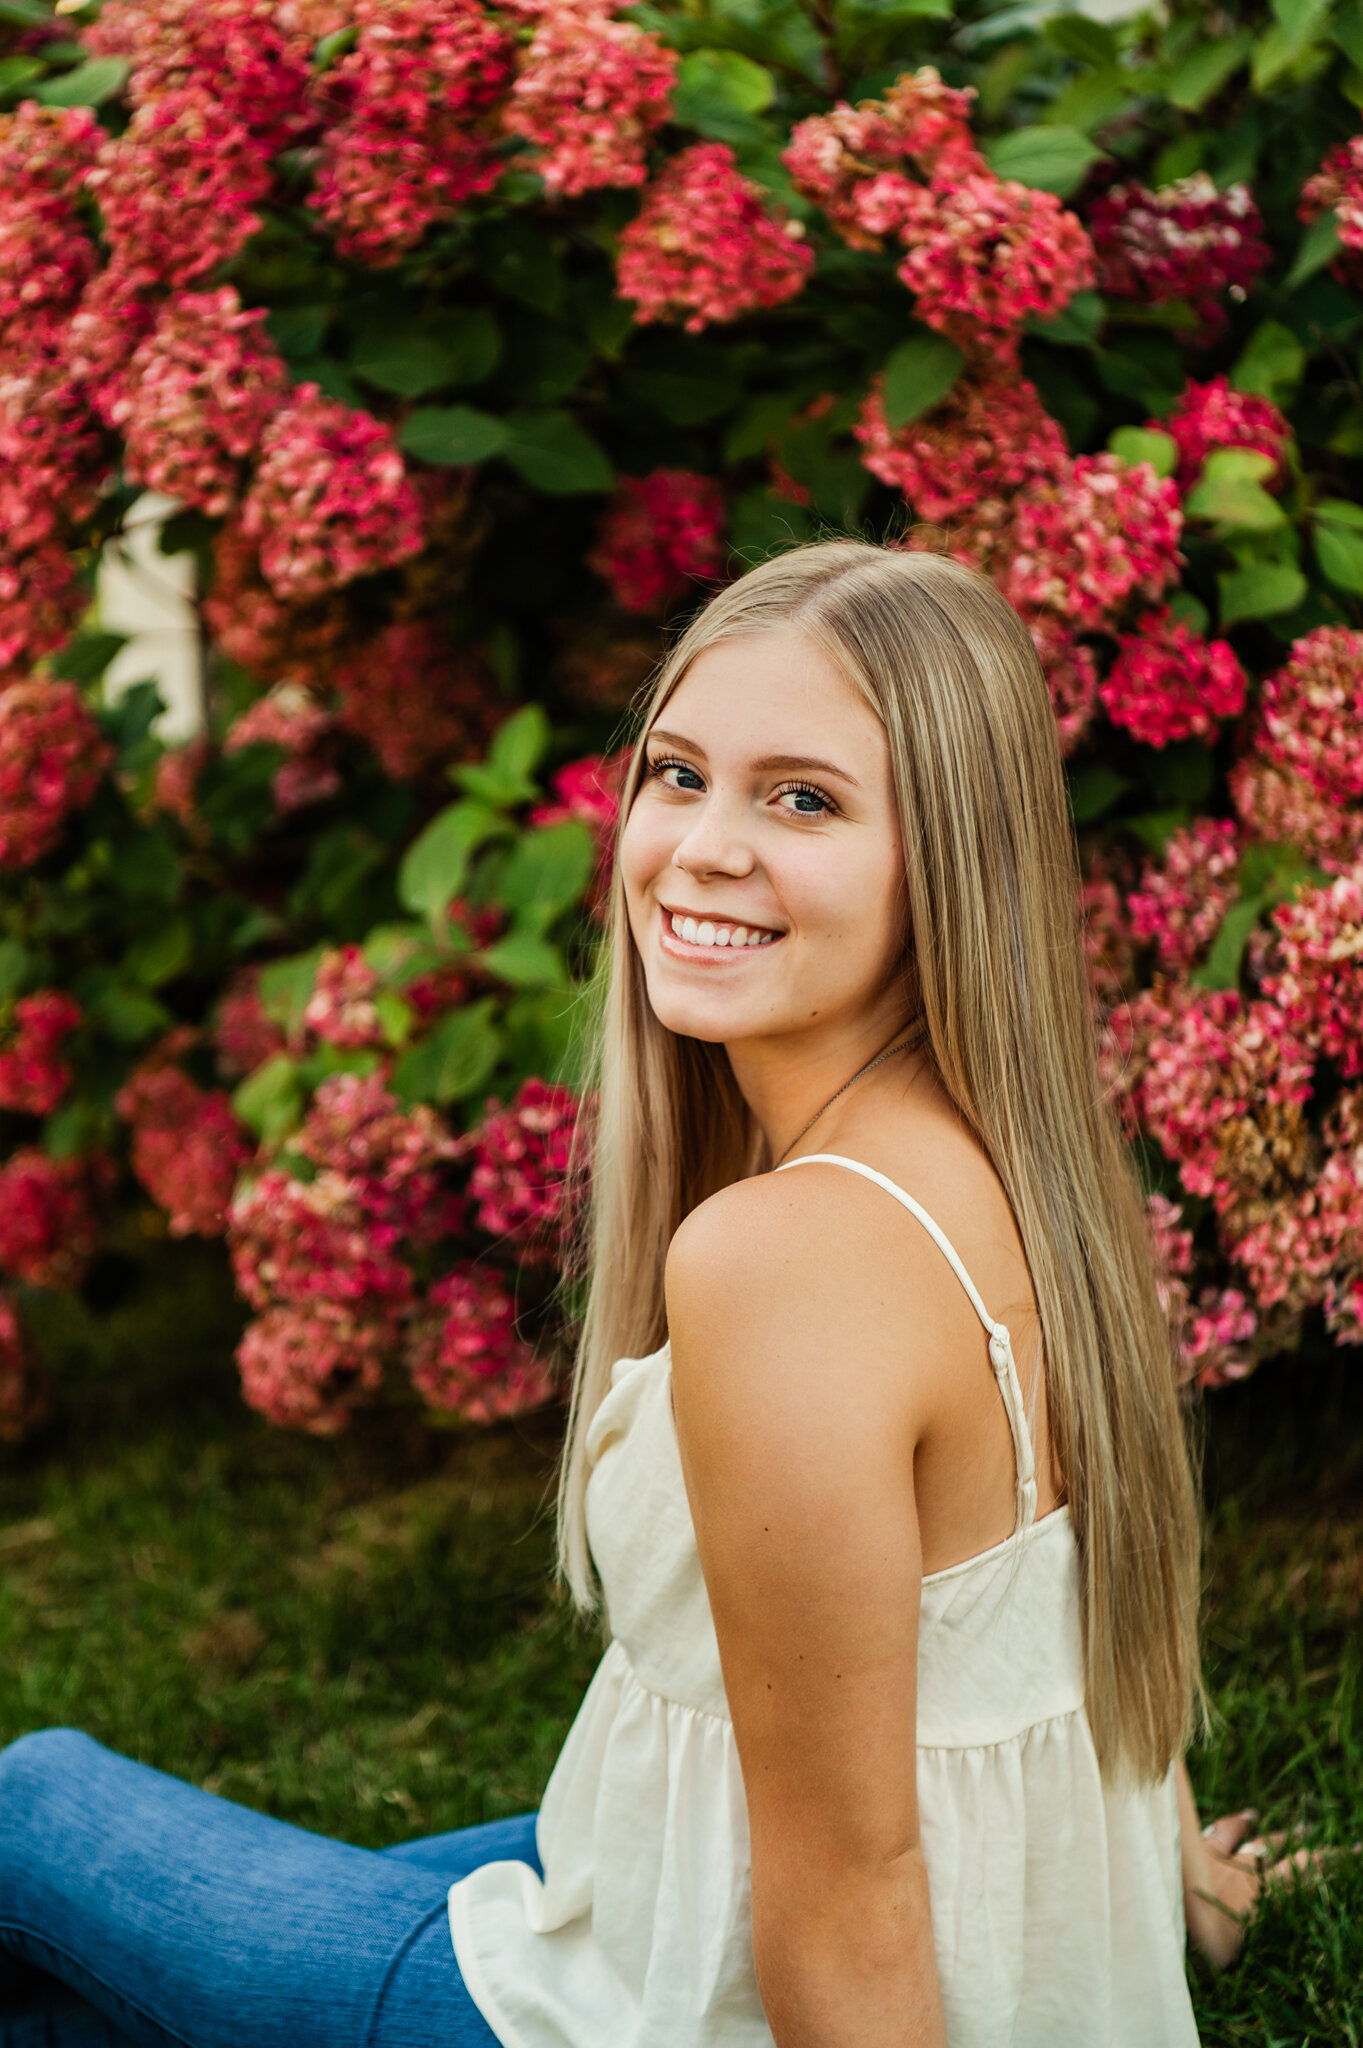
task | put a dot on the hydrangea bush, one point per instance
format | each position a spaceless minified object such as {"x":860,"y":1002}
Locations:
{"x":473,"y":341}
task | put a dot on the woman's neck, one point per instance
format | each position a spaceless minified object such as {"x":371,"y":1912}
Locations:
{"x":787,"y":1081}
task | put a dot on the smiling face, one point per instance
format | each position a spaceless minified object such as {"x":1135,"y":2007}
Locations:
{"x":762,"y":862}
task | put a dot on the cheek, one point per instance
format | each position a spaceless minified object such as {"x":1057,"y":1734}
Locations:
{"x":646,"y":846}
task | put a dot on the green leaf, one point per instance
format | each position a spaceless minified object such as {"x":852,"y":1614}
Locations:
{"x":544,"y":362}
{"x":129,"y":1015}
{"x":1259,"y":590}
{"x":436,"y":864}
{"x":723,"y":76}
{"x":1271,"y":363}
{"x":1347,"y":30}
{"x":90,"y":85}
{"x":506,"y":777}
{"x":1340,"y":512}
{"x":1204,"y":71}
{"x":416,"y":360}
{"x":270,"y":1101}
{"x":1229,"y":492}
{"x":1145,"y":444}
{"x":452,"y":435}
{"x":85,"y":658}
{"x":17,"y":72}
{"x":1078,"y":326}
{"x":1181,"y":773}
{"x":1087,"y":42}
{"x":548,"y":872}
{"x":1222,"y":966}
{"x":543,"y":1035}
{"x":526,"y":961}
{"x":1340,"y":554}
{"x":685,"y":401}
{"x":15,"y":965}
{"x":160,"y":956}
{"x":556,"y":455}
{"x":1318,"y":246}
{"x":918,"y":375}
{"x":297,"y":331}
{"x":286,"y":985}
{"x":524,"y":263}
{"x":1300,"y":19}
{"x":1051,"y":159}
{"x":454,"y":1060}
{"x":1093,"y":791}
{"x":334,"y":46}
{"x":395,"y":1015}
{"x":25,"y":14}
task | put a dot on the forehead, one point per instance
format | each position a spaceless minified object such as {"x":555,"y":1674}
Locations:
{"x":774,"y":692}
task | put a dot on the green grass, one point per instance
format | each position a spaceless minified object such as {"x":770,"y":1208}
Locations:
{"x":358,"y":1635}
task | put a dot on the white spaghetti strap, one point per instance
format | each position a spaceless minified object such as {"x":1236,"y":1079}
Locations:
{"x":1000,"y":1339}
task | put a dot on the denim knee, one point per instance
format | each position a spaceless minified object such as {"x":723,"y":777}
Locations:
{"x":33,"y":1764}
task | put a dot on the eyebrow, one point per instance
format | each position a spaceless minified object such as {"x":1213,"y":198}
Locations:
{"x":778,"y":763}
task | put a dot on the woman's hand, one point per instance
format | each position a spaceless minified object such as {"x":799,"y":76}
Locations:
{"x":1227,"y":1867}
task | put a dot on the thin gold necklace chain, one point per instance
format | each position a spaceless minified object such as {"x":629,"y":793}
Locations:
{"x":909,"y":1044}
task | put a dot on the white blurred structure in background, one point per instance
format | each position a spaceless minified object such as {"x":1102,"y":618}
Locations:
{"x":150,"y":597}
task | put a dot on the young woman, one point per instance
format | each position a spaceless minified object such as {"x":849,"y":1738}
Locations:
{"x":875,"y":1460}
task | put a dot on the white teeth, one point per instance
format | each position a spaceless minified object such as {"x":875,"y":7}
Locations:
{"x":676,"y":925}
{"x":754,"y":938}
{"x":722,"y":935}
{"x":705,"y":934}
{"x":689,"y":930}
{"x":739,"y":935}
{"x":766,"y":938}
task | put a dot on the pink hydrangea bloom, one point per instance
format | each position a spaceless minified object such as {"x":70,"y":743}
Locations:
{"x":589,"y":93}
{"x":704,"y":246}
{"x":46,"y":256}
{"x":416,"y":699}
{"x":659,"y":534}
{"x":290,"y":717}
{"x":1274,"y":804}
{"x":1319,"y":985}
{"x":175,"y":782}
{"x":1183,"y":897}
{"x":1210,"y":1070}
{"x":1214,"y":415}
{"x":987,"y":252}
{"x":412,"y":134}
{"x":271,"y":639}
{"x":1210,"y":1338}
{"x":855,"y":162}
{"x":1107,"y":531}
{"x":112,"y":317}
{"x":51,"y":456}
{"x":341,"y":1007}
{"x":235,"y":52}
{"x":1184,"y":241}
{"x":41,"y":599}
{"x":1337,"y":187}
{"x":589,"y":790}
{"x":395,"y":1158}
{"x":1311,"y":714}
{"x":52,"y":755}
{"x":1168,"y":683}
{"x":187,"y":1146}
{"x":178,"y":190}
{"x":311,"y":1241}
{"x":48,"y":1225}
{"x":520,"y":1171}
{"x":243,"y":1036}
{"x":309,"y":1367}
{"x":25,"y":1396}
{"x":331,"y":498}
{"x":202,"y":387}
{"x":1071,"y":671}
{"x":33,"y":1074}
{"x":465,"y":1355}
{"x":1307,"y":1247}
{"x":988,"y":437}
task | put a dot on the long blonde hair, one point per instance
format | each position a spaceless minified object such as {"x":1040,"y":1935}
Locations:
{"x":992,"y":878}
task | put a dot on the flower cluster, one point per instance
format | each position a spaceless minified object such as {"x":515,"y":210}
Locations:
{"x":1311,"y":714}
{"x":270,"y":639}
{"x":1168,"y":683}
{"x":705,"y":247}
{"x":49,"y":1228}
{"x":418,"y":701}
{"x":309,"y":1367}
{"x":1184,"y":241}
{"x":1220,"y":1083}
{"x":341,"y":1009}
{"x":990,"y":436}
{"x":290,"y":717}
{"x":330,"y":499}
{"x":981,"y":252}
{"x":1211,"y":1338}
{"x":46,"y":257}
{"x":413,"y":133}
{"x":1214,"y":415}
{"x":464,"y":1353}
{"x":25,"y":1397}
{"x":243,"y":1036}
{"x":520,"y":1173}
{"x":33,"y":1074}
{"x":1109,"y":955}
{"x":394,"y":1158}
{"x":589,"y":791}
{"x":1183,"y":897}
{"x":188,"y":1148}
{"x":1318,"y":986}
{"x":52,"y":755}
{"x":1337,"y":187}
{"x":51,"y":455}
{"x":658,"y":535}
{"x":589,"y":93}
{"x":1306,"y":1246}
{"x":199,"y":393}
{"x":41,"y":598}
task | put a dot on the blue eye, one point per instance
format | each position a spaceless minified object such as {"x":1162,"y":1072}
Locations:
{"x":659,"y":770}
{"x":809,"y":801}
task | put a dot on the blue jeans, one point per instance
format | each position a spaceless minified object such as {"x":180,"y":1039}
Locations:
{"x":136,"y":1909}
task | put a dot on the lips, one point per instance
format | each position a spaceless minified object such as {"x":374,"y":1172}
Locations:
{"x":713,"y":936}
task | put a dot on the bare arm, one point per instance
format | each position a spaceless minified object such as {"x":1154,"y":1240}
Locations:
{"x":797,"y":1432}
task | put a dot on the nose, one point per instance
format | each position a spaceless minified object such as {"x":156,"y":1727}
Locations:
{"x":714,"y":842}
